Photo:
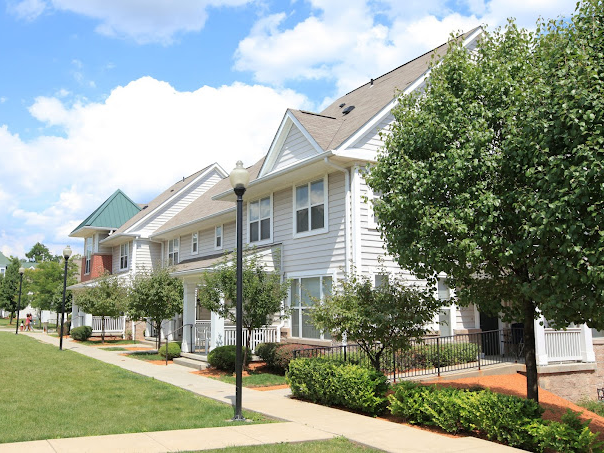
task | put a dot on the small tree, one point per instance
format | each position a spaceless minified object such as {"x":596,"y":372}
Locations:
{"x":9,"y":292}
{"x":388,"y":317}
{"x":155,"y":295}
{"x":107,"y":299}
{"x":263,"y":293}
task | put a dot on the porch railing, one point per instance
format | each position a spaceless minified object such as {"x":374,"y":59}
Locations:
{"x":203,"y":331}
{"x":433,"y":356}
{"x":266,"y":334}
{"x":563,"y":345}
{"x":112,"y":325}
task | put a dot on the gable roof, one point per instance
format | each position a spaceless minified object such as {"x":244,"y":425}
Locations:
{"x":110,"y":215}
{"x":205,"y":207}
{"x":4,"y":261}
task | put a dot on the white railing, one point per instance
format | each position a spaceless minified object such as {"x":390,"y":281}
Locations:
{"x":267,"y":334}
{"x":203,"y":333}
{"x":563,"y":345}
{"x":112,"y":325}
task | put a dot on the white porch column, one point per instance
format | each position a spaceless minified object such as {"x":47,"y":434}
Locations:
{"x":75,"y":316}
{"x":188,"y":317}
{"x":540,"y":349}
{"x":216,"y":331}
{"x":87,"y":319}
{"x":476,"y":317}
{"x":587,"y":347}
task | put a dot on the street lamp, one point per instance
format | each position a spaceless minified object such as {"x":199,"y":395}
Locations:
{"x":239,"y":179}
{"x":21,"y":272}
{"x":66,"y":255}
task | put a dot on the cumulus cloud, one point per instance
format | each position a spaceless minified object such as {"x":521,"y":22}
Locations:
{"x":142,"y":138}
{"x":350,"y":42}
{"x":27,"y":9}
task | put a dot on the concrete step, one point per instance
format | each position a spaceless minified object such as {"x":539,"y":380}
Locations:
{"x":191,"y":363}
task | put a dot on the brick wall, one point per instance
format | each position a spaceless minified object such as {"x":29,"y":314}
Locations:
{"x":99,"y":264}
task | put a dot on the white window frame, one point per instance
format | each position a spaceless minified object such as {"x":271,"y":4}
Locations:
{"x":195,"y":243}
{"x":299,"y":276}
{"x":270,"y":218}
{"x":124,"y":256}
{"x":295,"y":210}
{"x":371,"y":197}
{"x":88,"y":255}
{"x":219,"y":236}
{"x":175,"y":253}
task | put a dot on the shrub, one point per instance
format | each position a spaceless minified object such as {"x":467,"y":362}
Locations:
{"x":81,"y":333}
{"x":223,"y":358}
{"x":173,"y":350}
{"x":278,"y":355}
{"x":330,"y":383}
{"x":592,"y":405}
{"x":66,"y":326}
{"x":572,"y":435}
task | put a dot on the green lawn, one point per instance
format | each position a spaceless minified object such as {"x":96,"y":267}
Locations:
{"x":338,"y":445}
{"x":147,"y":356}
{"x":46,"y":393}
{"x":97,"y":343}
{"x":256,"y":380}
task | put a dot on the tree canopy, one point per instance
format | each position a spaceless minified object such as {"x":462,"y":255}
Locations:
{"x":9,"y":291}
{"x":45,"y":283}
{"x":155,"y":295}
{"x":40,"y":253}
{"x":493,"y":174}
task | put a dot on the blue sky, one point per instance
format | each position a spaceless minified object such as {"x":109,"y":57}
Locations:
{"x":97,"y":95}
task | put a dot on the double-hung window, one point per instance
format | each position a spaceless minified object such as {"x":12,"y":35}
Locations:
{"x":310,"y":210}
{"x":194,"y":242}
{"x":218,"y":237}
{"x":88,"y":255}
{"x":124,"y":251}
{"x":260,"y":214}
{"x":304,"y":293}
{"x":173,"y":249}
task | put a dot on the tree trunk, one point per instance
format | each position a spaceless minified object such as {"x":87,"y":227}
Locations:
{"x":12,"y":313}
{"x":249,"y":342}
{"x":103,"y":329}
{"x":530,"y":358}
{"x":158,"y":335}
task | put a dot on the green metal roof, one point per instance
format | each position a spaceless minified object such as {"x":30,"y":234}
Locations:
{"x":4,"y":261}
{"x":112,"y":214}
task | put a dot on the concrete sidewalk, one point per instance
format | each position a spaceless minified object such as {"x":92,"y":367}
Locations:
{"x":303,"y":421}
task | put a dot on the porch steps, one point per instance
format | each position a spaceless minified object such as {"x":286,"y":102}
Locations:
{"x":191,"y":363}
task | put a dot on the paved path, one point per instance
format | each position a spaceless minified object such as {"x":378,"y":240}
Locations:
{"x":302,"y":421}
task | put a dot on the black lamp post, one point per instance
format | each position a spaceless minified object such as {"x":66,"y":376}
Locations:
{"x":239,"y":179}
{"x":21,"y":271}
{"x":66,"y":255}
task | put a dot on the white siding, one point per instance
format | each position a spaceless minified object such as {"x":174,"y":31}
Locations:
{"x":371,"y":140}
{"x":102,"y":248}
{"x":465,"y":318}
{"x":148,"y":255}
{"x":116,"y":259}
{"x":165,"y":213}
{"x":295,"y":148}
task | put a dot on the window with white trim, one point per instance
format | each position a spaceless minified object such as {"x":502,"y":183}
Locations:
{"x":304,"y":291}
{"x":124,"y":252}
{"x":88,"y":255}
{"x":173,"y":249}
{"x":194,"y":242}
{"x":259,"y":220}
{"x":310,"y":207}
{"x":218,"y":237}
{"x":372,"y":199}
{"x":379,"y":280}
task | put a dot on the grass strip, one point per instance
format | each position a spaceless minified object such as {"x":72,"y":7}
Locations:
{"x":49,"y":394}
{"x":337,"y":445}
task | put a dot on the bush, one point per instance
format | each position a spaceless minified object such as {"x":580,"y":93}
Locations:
{"x":224,"y":357}
{"x":331,"y":383}
{"x":173,"y":350}
{"x":429,"y":356}
{"x":66,"y":326}
{"x":81,"y":333}
{"x":278,"y":355}
{"x":572,"y":435}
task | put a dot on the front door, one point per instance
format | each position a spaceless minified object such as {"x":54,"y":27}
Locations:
{"x":490,"y":337}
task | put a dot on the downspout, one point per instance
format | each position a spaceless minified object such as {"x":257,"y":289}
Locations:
{"x":348,"y":239}
{"x":355,"y":185}
{"x":284,"y":309}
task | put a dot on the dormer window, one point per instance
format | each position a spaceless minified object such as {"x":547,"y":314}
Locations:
{"x":260,"y":214}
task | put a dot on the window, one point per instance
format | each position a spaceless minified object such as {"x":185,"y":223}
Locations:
{"x":310,"y":211}
{"x":379,"y":280}
{"x":173,"y":248}
{"x":194,"y":243}
{"x":304,"y":292}
{"x":218,"y":237}
{"x":124,"y":250}
{"x":88,"y":255}
{"x":372,"y":199}
{"x":260,"y":220}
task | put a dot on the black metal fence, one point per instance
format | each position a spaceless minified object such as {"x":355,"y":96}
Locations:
{"x":433,"y":355}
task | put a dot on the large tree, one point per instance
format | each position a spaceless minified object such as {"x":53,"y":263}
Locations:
{"x":9,"y":291}
{"x":263,"y":292}
{"x":107,"y":298}
{"x":43,"y":283}
{"x":40,"y":253}
{"x":155,"y":295}
{"x":494,"y":175}
{"x":378,"y":319}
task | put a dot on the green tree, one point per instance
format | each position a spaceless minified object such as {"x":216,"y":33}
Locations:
{"x":494,"y":175}
{"x":9,"y":291}
{"x":40,"y":253}
{"x":263,"y":292}
{"x":155,"y":295}
{"x":386,"y":318}
{"x":45,"y":281}
{"x":107,"y":298}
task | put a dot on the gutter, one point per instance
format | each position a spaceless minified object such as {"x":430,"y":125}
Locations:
{"x":192,"y":222}
{"x":348,"y":240}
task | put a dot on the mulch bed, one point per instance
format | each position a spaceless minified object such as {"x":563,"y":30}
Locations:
{"x":259,"y":367}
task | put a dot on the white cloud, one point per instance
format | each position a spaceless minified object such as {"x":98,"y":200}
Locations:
{"x":145,"y":21}
{"x":349,"y":42}
{"x":27,"y":9}
{"x":142,"y":138}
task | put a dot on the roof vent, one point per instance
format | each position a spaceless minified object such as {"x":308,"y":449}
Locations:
{"x":371,"y":83}
{"x":348,"y":109}
{"x":342,"y":104}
